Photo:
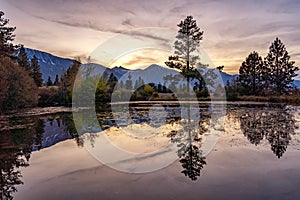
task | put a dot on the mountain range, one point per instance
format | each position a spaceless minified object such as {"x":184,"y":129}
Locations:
{"x":52,"y":65}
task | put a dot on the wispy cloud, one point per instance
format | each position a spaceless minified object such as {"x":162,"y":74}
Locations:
{"x":232,"y":29}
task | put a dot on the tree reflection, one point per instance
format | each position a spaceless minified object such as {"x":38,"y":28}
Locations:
{"x":276,"y":124}
{"x":189,"y":144}
{"x":15,"y":151}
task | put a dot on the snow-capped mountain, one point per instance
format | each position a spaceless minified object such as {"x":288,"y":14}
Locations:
{"x":50,"y":64}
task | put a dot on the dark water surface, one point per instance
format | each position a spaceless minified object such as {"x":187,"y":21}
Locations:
{"x":257,"y":155}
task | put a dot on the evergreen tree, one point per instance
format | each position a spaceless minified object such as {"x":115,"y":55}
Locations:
{"x":23,"y":59}
{"x":136,"y":84}
{"x":159,"y":88}
{"x":128,"y":83}
{"x":251,"y":73}
{"x":280,"y":71}
{"x":56,"y":82}
{"x":36,"y":71}
{"x":68,"y":79}
{"x":112,"y":81}
{"x":188,"y":40}
{"x":122,"y":84}
{"x":49,"y":81}
{"x":6,"y":37}
{"x":141,"y":81}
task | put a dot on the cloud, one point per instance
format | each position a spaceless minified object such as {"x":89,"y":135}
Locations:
{"x":231,"y":29}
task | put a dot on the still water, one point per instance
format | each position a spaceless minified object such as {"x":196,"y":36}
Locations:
{"x":256,"y":155}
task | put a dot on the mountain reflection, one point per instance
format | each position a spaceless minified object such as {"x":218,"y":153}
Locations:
{"x":19,"y":136}
{"x":16,"y":146}
{"x":276,"y":124}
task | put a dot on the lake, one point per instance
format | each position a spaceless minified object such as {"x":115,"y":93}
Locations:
{"x":158,"y":150}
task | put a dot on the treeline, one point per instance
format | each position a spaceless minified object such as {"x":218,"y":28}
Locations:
{"x":21,"y":83}
{"x":18,"y":83}
{"x":270,"y":76}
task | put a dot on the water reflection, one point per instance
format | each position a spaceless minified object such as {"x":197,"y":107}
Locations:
{"x":276,"y":124}
{"x":15,"y":150}
{"x":188,"y":141}
{"x":20,"y":136}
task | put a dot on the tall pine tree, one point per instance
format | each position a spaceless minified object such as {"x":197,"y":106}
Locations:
{"x":280,"y":71}
{"x":23,"y":59}
{"x":7,"y":48}
{"x":36,"y":71}
{"x":185,"y":55}
{"x":251,"y":74}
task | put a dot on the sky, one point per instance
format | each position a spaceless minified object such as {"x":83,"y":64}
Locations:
{"x":232,"y":28}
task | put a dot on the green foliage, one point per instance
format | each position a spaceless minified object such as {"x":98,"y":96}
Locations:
{"x":145,"y":92}
{"x":68,"y":80}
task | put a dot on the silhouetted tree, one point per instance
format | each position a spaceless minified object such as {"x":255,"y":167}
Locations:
{"x":7,"y":48}
{"x":186,"y":45}
{"x":56,"y":82}
{"x":23,"y":59}
{"x":189,"y":144}
{"x":49,"y":81}
{"x":68,"y":79}
{"x":251,"y":74}
{"x":280,"y":71}
{"x":36,"y":71}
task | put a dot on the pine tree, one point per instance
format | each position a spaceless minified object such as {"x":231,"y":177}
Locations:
{"x":6,"y":37}
{"x":122,"y":84}
{"x":280,"y":71}
{"x":186,"y":45}
{"x":56,"y":82}
{"x":36,"y":71}
{"x":68,"y":80}
{"x":141,"y":81}
{"x":49,"y":81}
{"x":128,"y":83}
{"x":23,"y":59}
{"x":136,"y":84}
{"x":251,"y":74}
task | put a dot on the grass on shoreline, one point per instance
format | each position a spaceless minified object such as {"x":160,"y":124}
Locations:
{"x":289,"y":99}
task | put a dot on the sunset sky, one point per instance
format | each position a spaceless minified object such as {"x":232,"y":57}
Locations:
{"x":232,"y":28}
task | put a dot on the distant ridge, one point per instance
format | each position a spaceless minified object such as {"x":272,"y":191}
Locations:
{"x":52,"y":65}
